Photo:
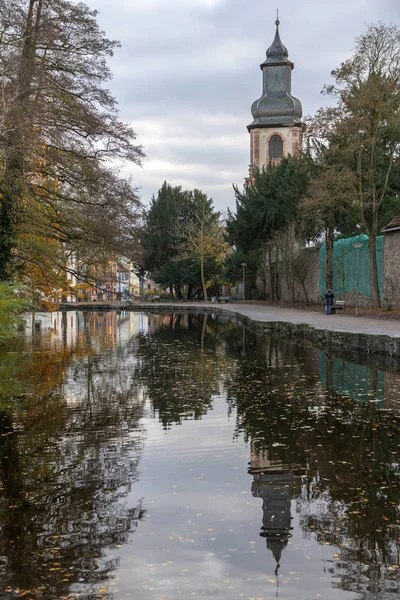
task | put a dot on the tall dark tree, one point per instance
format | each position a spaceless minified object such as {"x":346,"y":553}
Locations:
{"x":182,"y":240}
{"x":160,"y":238}
{"x":267,"y":205}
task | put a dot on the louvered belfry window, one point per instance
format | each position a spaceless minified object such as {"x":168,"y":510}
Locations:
{"x":276,"y":147}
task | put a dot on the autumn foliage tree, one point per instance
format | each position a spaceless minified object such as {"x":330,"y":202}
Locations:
{"x":329,"y":200}
{"x":202,"y":236}
{"x":61,"y":134}
{"x":363,"y":130}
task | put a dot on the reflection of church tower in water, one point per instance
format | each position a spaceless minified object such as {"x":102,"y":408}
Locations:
{"x":276,"y":484}
{"x":277,"y":129}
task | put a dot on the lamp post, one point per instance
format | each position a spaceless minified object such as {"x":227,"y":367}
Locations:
{"x":244,"y":295}
{"x":357,"y":246}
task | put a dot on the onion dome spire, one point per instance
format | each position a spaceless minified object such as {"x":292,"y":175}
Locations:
{"x":277,"y":106}
{"x":277,"y":53}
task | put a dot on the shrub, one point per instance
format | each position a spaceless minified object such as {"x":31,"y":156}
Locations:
{"x":11,"y":310}
{"x":386,"y":303}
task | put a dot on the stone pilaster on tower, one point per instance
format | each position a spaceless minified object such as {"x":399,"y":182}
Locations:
{"x":277,"y":129}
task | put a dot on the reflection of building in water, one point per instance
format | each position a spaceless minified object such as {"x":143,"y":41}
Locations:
{"x":277,"y":485}
{"x":63,"y":326}
{"x":169,"y":321}
{"x":68,"y":326}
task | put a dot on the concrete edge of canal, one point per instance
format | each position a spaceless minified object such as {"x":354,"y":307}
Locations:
{"x":369,"y":342}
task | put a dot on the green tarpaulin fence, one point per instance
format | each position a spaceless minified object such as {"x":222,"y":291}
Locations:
{"x":345,"y":266}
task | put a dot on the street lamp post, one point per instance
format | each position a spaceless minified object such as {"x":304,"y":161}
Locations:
{"x":244,"y":295}
{"x":357,"y":246}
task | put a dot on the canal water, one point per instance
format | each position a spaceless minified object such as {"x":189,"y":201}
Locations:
{"x":166,"y":457}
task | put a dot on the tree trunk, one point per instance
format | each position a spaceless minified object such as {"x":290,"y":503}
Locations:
{"x":265,"y":259}
{"x":373,"y":269}
{"x":305,"y":291}
{"x":329,"y":382}
{"x":11,"y":189}
{"x":203,"y":281}
{"x":271,"y":276}
{"x":329,"y":258}
{"x":203,"y":332}
{"x":292,"y":253}
{"x":33,"y":314}
{"x":373,"y":383}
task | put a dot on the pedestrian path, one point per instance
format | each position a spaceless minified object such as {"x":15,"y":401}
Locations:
{"x":342,"y":323}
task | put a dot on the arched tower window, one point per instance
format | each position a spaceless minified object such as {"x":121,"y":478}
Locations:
{"x":275,"y":147}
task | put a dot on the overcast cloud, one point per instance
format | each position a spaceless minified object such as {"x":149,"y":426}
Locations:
{"x":188,"y":71}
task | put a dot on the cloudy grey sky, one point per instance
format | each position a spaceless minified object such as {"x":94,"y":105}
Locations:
{"x":188,"y":72}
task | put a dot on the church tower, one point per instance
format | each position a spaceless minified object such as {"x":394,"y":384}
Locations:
{"x":277,"y":129}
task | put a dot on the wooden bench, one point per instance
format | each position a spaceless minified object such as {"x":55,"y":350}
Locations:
{"x":225,"y":299}
{"x":339,"y":306}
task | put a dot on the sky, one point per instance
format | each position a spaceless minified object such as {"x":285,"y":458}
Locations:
{"x":188,"y":71}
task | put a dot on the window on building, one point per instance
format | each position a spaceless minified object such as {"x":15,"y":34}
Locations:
{"x":276,"y":147}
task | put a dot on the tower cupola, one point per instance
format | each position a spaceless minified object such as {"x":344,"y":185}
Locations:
{"x":276,"y":130}
{"x":277,"y":53}
{"x":276,"y":106}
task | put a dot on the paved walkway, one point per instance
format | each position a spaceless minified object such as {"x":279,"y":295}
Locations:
{"x":346,"y":323}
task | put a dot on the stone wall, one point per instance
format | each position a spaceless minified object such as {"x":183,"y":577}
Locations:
{"x":392,"y":267}
{"x":310,"y":265}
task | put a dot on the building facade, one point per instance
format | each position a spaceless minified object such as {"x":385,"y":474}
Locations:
{"x":277,"y":129}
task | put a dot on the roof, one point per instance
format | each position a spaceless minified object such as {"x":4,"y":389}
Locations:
{"x":277,"y":53}
{"x":393,"y":225}
{"x":276,"y":107}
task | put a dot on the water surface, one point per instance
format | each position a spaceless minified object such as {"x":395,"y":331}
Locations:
{"x":178,"y":456}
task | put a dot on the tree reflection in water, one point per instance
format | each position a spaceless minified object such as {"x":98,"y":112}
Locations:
{"x":67,"y":466}
{"x":181,"y":366}
{"x":323,"y":446}
{"x":349,"y":493}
